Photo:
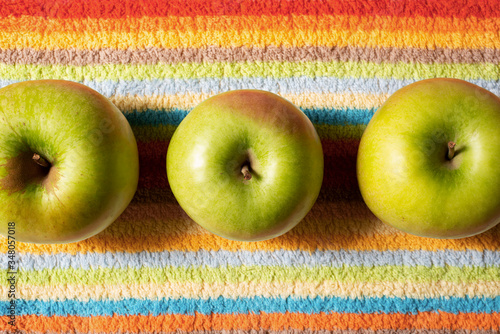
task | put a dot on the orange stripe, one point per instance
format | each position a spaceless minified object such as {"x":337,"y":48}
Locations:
{"x":30,"y":24}
{"x":274,"y":321}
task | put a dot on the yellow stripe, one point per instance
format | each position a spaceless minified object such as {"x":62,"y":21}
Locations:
{"x":275,"y":69}
{"x":394,"y":289}
{"x":305,"y":100}
{"x":231,"y":38}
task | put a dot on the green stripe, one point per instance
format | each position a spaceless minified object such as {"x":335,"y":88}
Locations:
{"x":337,"y":132}
{"x":273,"y":69}
{"x":147,"y":133}
{"x":418,"y":274}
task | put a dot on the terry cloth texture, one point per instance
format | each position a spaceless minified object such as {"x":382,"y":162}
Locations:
{"x":340,"y":270}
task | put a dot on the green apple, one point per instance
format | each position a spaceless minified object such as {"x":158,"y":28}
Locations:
{"x":246,"y":165}
{"x":68,"y":162}
{"x":429,"y":160}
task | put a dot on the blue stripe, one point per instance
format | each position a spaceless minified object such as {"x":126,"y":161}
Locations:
{"x":156,"y":117}
{"x":253,"y":305}
{"x":293,"y":85}
{"x":214,"y":259}
{"x":346,"y":116}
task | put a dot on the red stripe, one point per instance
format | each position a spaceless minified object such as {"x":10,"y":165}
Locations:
{"x":138,"y":8}
{"x":339,"y":176}
{"x":152,"y":165}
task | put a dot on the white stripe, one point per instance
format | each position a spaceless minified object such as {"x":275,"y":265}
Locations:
{"x":219,"y":258}
{"x":295,"y":85}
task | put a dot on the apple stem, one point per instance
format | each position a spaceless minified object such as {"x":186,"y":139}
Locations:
{"x":451,"y":150}
{"x":41,"y":161}
{"x":246,"y":172}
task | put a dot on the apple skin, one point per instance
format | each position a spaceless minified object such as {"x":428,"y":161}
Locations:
{"x":403,"y":171}
{"x":94,"y":163}
{"x":246,"y":127}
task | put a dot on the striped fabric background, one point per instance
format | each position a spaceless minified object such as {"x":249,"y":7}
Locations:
{"x":340,"y":270}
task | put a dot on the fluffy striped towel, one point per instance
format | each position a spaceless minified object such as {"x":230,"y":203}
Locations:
{"x":340,"y":270}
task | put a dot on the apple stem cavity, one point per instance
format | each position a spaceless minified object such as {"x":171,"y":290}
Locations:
{"x":246,"y":172}
{"x":41,"y":161}
{"x":451,"y":150}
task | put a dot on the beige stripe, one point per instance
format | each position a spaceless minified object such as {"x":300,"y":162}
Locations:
{"x":152,"y":55}
{"x":305,"y":100}
{"x":358,"y":221}
{"x":251,"y":289}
